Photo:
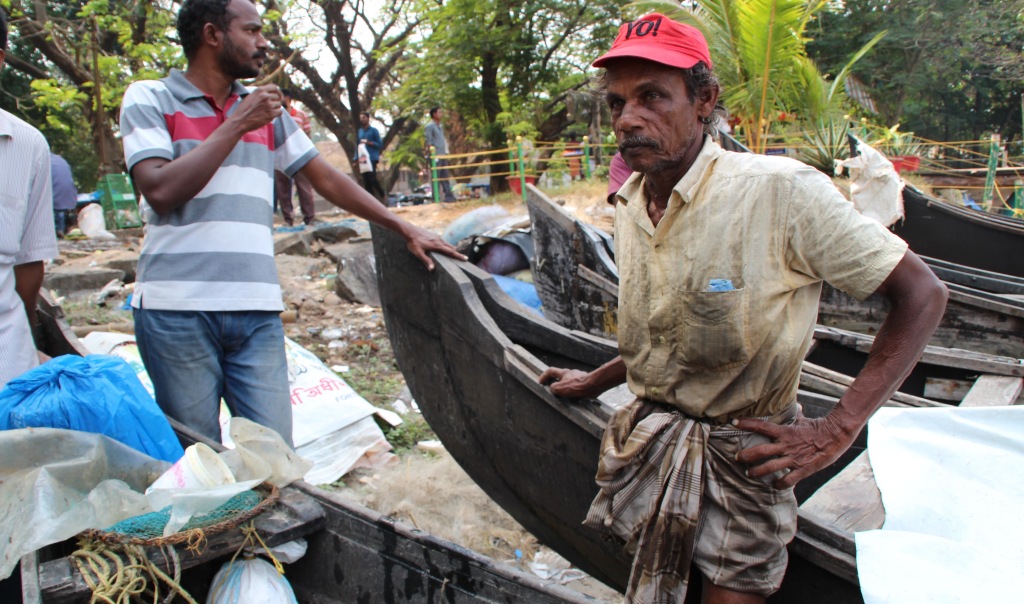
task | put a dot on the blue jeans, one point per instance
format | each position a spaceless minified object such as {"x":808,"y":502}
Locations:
{"x":195,"y":358}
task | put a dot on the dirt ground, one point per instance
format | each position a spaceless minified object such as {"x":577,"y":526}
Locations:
{"x":425,"y":488}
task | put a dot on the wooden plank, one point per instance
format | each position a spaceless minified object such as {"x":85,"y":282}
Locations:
{"x":993,"y":391}
{"x":943,"y":389}
{"x":851,"y":500}
{"x":30,"y":593}
{"x":814,"y":376}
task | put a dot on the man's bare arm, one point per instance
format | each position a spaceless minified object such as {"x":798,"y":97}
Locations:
{"x":574,"y":383}
{"x":343,"y":192}
{"x":918,"y":300}
{"x":28,"y":278}
{"x":168,"y":185}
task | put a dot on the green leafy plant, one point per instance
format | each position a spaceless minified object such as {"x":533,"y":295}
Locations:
{"x":825,"y":144}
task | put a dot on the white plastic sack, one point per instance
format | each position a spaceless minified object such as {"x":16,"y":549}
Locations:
{"x":365,"y":164}
{"x":875,"y":187}
{"x":332,"y":426}
{"x":250,"y":580}
{"x":91,"y":222}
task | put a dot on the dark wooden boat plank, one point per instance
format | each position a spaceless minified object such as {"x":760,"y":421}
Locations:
{"x":941,"y":230}
{"x":439,"y":329}
{"x":970,"y":322}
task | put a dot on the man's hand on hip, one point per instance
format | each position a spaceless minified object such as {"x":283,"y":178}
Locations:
{"x":802,"y":447}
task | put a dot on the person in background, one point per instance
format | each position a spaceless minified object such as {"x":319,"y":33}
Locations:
{"x":65,"y":195}
{"x":618,"y":172}
{"x":434,"y":134}
{"x":282,"y":182}
{"x":721,"y":258}
{"x":369,"y":136}
{"x":207,"y":300}
{"x":27,"y":236}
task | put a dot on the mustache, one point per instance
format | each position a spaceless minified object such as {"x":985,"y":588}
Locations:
{"x":634,"y":142}
{"x":260,"y":55}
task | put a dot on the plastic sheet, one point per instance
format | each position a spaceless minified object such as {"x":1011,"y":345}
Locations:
{"x":259,"y":455}
{"x":56,"y":483}
{"x":951,"y":486}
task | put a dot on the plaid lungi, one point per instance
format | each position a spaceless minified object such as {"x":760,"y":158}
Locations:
{"x":671,"y":488}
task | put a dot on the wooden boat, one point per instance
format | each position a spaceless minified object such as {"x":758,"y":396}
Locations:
{"x":577,"y":282}
{"x":957,"y":234}
{"x":354,"y":555}
{"x":472,"y":357}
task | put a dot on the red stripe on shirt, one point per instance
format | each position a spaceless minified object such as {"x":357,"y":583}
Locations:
{"x":183,"y":127}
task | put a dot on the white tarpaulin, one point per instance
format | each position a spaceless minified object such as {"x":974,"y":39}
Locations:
{"x":952,"y":483}
{"x":875,"y":187}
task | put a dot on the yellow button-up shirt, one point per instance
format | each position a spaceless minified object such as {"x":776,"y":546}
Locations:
{"x":772,"y":227}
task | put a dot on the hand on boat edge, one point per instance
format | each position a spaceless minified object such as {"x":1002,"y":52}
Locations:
{"x":421,"y":242}
{"x":802,"y":447}
{"x":569,"y":383}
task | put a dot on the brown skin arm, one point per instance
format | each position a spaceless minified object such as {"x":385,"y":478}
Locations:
{"x":28,"y":278}
{"x":918,"y":301}
{"x":573,"y":383}
{"x":168,"y":185}
{"x":343,"y":192}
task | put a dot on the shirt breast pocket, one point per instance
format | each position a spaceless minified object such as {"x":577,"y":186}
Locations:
{"x":712,"y":332}
{"x":12,"y":224}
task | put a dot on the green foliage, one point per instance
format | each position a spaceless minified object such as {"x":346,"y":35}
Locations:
{"x":826,"y":143}
{"x":58,"y":52}
{"x":948,"y":70}
{"x":504,"y":67}
{"x":413,"y":430}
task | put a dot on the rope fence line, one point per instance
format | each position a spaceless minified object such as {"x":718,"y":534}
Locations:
{"x":524,"y":163}
{"x":515,"y":157}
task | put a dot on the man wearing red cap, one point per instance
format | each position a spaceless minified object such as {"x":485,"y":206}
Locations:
{"x":721,"y":257}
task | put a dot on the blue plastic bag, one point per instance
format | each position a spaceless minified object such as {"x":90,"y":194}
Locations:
{"x":97,"y":393}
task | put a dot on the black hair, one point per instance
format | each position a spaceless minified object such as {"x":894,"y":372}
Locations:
{"x":434,"y":110}
{"x":362,"y":113}
{"x":288,"y":92}
{"x":701,"y":83}
{"x":194,"y":15}
{"x":3,"y":30}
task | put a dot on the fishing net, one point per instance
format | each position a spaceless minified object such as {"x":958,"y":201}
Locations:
{"x":147,"y":530}
{"x":117,"y":565}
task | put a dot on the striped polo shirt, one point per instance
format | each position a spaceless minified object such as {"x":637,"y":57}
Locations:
{"x":216,"y":252}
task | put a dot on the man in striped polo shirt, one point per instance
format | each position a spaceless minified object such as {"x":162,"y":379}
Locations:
{"x":203,"y":149}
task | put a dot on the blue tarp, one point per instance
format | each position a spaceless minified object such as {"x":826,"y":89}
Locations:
{"x":99,"y":394}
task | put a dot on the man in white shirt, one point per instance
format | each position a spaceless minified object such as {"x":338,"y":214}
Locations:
{"x":27,"y":237}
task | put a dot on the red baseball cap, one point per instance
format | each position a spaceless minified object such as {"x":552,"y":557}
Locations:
{"x":657,"y":38}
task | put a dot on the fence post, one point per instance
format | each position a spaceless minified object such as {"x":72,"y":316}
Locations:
{"x":586,"y":156}
{"x":990,"y":177}
{"x":511,"y":158}
{"x":522,"y":167}
{"x":433,"y":173}
{"x":1018,"y":198}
